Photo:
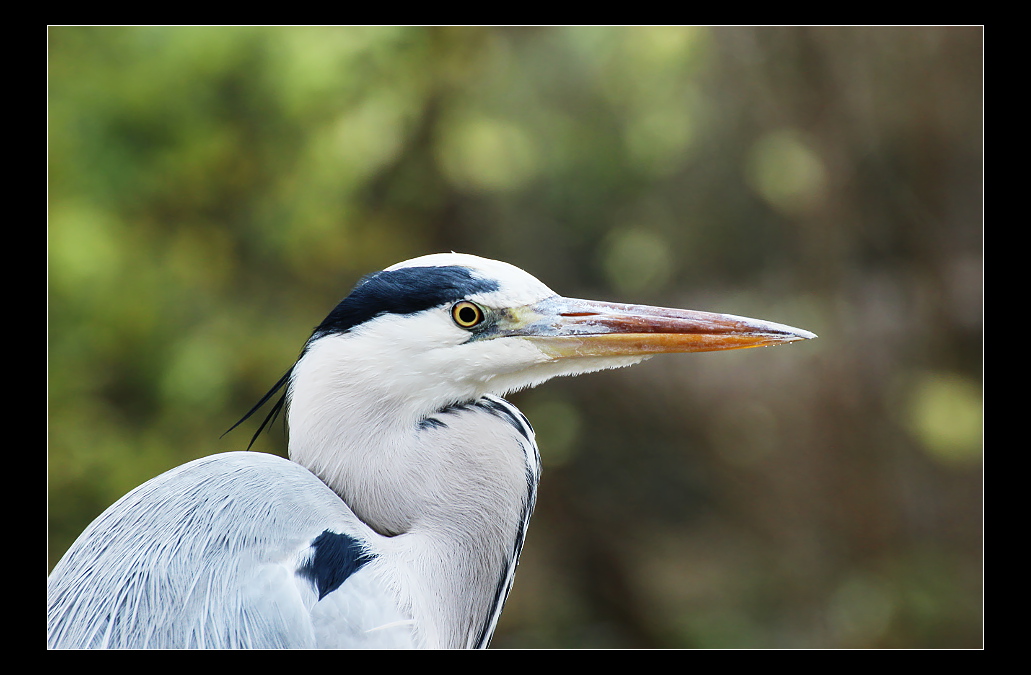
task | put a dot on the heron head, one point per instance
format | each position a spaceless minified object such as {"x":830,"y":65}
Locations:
{"x":450,"y":327}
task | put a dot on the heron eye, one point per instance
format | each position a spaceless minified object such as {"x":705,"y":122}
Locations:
{"x":466,"y":314}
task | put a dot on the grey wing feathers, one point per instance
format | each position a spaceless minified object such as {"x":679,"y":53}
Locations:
{"x":212,"y":554}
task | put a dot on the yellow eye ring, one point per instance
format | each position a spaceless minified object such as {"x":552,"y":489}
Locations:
{"x":467,"y":314}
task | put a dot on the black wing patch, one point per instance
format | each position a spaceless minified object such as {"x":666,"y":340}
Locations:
{"x":335,"y":557}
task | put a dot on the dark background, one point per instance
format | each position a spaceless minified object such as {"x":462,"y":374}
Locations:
{"x":213,"y":192}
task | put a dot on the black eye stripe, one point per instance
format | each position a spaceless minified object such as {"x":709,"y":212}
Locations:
{"x":403,"y":291}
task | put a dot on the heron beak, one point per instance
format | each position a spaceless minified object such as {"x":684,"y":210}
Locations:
{"x":570,"y":328}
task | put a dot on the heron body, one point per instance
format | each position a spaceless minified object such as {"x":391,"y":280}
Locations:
{"x":399,"y":519}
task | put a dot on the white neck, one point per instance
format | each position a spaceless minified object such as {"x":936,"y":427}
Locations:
{"x":440,"y":488}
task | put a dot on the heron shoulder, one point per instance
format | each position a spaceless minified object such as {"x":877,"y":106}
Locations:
{"x":241,"y":548}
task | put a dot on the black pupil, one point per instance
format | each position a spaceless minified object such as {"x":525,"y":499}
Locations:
{"x":467,"y":314}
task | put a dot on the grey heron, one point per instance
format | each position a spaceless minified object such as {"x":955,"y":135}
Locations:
{"x":400,"y":516}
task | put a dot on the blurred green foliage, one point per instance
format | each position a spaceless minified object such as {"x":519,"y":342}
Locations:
{"x":214,"y":191}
